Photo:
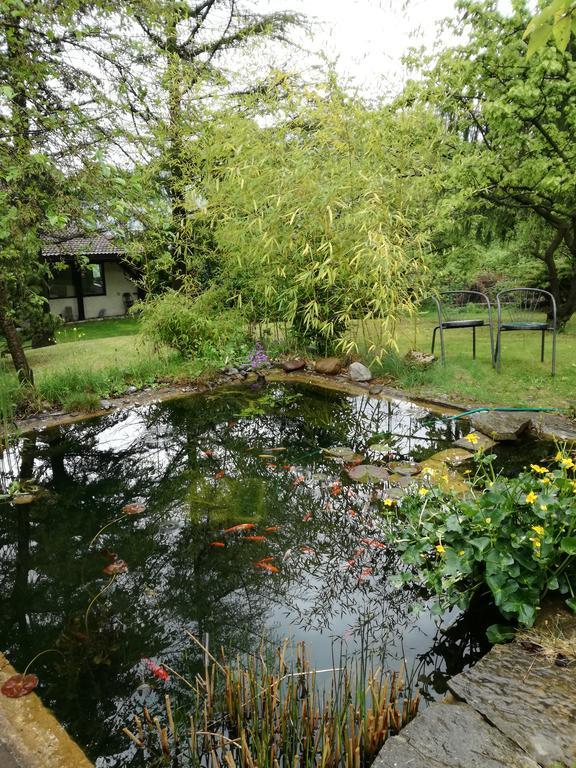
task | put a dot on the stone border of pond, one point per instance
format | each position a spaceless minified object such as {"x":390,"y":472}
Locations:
{"x":514,"y":709}
{"x":30,"y":735}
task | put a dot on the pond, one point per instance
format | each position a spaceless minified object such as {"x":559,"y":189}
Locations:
{"x":308,"y":563}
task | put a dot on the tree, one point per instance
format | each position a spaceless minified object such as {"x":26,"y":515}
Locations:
{"x":194,"y":48}
{"x":511,"y":120}
{"x":54,"y":122}
{"x":321,"y":210}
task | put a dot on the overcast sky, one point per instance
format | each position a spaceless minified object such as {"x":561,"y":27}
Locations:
{"x":369,"y":37}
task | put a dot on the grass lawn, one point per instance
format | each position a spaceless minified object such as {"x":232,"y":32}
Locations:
{"x":98,"y":329}
{"x":523,"y":380}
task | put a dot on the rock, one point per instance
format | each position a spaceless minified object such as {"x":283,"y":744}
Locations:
{"x":106,"y":405}
{"x":367,"y":473}
{"x":231,"y":371}
{"x":405,"y":468}
{"x":345,"y":454}
{"x":294,"y":365}
{"x":501,"y":425}
{"x":484,"y":443}
{"x":526,"y":697}
{"x":553,"y":426}
{"x":23,"y":498}
{"x":359,"y":372}
{"x":330,"y":366}
{"x":451,"y":736}
{"x":131,"y":389}
{"x":453,"y":457}
{"x":375,"y":389}
{"x":421,"y":359}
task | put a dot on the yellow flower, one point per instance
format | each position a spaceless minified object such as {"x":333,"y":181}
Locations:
{"x":531,"y":497}
{"x":574,"y":486}
{"x":423,"y":491}
{"x":538,"y":469}
{"x":488,"y":520}
{"x":472,"y":438}
{"x":543,"y":507}
{"x":467,"y":471}
{"x":539,"y":530}
{"x":446,"y":478}
{"x":461,"y":552}
{"x":428,"y":472}
{"x":536,"y":543}
{"x":545,"y":480}
{"x":567,"y":463}
{"x":388,"y":502}
{"x":440,"y":549}
{"x":559,"y":456}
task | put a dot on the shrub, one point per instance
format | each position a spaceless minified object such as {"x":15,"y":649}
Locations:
{"x":514,"y":538}
{"x":192,"y":326}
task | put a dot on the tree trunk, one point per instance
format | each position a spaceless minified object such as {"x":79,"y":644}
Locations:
{"x":13,"y":340}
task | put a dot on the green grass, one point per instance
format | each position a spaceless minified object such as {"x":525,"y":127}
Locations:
{"x":98,"y":329}
{"x":523,"y":380}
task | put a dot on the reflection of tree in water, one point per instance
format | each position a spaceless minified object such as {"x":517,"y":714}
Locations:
{"x":171,"y":457}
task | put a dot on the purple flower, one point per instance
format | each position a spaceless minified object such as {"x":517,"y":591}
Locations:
{"x":258,"y":356}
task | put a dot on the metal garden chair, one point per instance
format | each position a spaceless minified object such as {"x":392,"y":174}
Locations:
{"x":454,"y":313}
{"x":526,"y":309}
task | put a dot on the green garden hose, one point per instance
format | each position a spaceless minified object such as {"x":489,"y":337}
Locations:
{"x":479,"y":410}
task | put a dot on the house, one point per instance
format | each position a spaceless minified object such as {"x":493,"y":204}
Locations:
{"x":104,"y":287}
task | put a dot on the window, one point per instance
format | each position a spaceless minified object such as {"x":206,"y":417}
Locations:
{"x":62,"y":286}
{"x":93,"y":280}
{"x":93,"y":284}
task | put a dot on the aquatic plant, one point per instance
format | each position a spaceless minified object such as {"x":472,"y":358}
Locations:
{"x":512,"y":537}
{"x":275,"y":712}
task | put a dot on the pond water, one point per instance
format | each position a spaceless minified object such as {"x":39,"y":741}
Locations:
{"x":201,"y":465}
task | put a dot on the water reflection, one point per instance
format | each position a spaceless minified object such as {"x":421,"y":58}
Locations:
{"x":201,"y":465}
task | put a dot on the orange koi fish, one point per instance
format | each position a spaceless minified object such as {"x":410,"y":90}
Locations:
{"x":254,"y":538}
{"x":374,"y":543}
{"x":272,"y":528}
{"x":219,"y":475}
{"x":336,"y":489}
{"x":270,"y":465}
{"x":308,"y":550}
{"x":307,"y":517}
{"x":365,"y":573}
{"x":298,"y":480}
{"x":264,"y":560}
{"x":207,"y":453}
{"x":240,"y":527}
{"x":217,"y":544}
{"x":268,"y":567}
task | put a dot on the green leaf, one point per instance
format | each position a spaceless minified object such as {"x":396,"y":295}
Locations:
{"x":571,"y":603}
{"x":538,"y":39}
{"x":568,"y":545}
{"x":499,"y":633}
{"x":561,"y":31}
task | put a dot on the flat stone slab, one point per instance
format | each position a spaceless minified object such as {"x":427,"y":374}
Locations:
{"x":453,"y":457}
{"x":553,"y":426}
{"x":526,"y":697}
{"x":451,"y":736}
{"x":483,"y":443}
{"x":501,"y":425}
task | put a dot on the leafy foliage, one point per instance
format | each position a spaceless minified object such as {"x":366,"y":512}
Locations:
{"x":514,"y":538}
{"x":321,"y":216}
{"x":192,"y":326}
{"x":555,"y":21}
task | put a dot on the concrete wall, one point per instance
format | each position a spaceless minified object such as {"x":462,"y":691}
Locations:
{"x":116,"y":282}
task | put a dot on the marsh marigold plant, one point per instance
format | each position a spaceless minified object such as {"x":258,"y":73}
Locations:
{"x":512,"y":537}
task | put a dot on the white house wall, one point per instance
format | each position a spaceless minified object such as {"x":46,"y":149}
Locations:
{"x":116,"y":283}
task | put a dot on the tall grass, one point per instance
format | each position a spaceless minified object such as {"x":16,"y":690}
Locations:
{"x":277,"y":713}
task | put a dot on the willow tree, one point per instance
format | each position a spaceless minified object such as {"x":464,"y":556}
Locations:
{"x":198,"y":52}
{"x":322,"y":212}
{"x":510,"y":121}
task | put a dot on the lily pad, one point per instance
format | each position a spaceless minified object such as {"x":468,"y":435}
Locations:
{"x":343,"y":453}
{"x":401,"y":481}
{"x":395,"y":493}
{"x":381,"y":448}
{"x":405,"y":468}
{"x":368,"y":473}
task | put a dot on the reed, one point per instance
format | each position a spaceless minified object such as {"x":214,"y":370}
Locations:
{"x":277,"y":712}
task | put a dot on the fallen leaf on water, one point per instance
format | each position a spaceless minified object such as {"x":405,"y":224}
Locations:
{"x":219,"y":475}
{"x":254,"y":538}
{"x":116,"y":567}
{"x":307,"y":517}
{"x":207,"y":453}
{"x":133,"y":509}
{"x":298,"y":480}
{"x":217,"y":544}
{"x":267,"y":567}
{"x":336,"y":489}
{"x":19,"y":685}
{"x":240,"y":527}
